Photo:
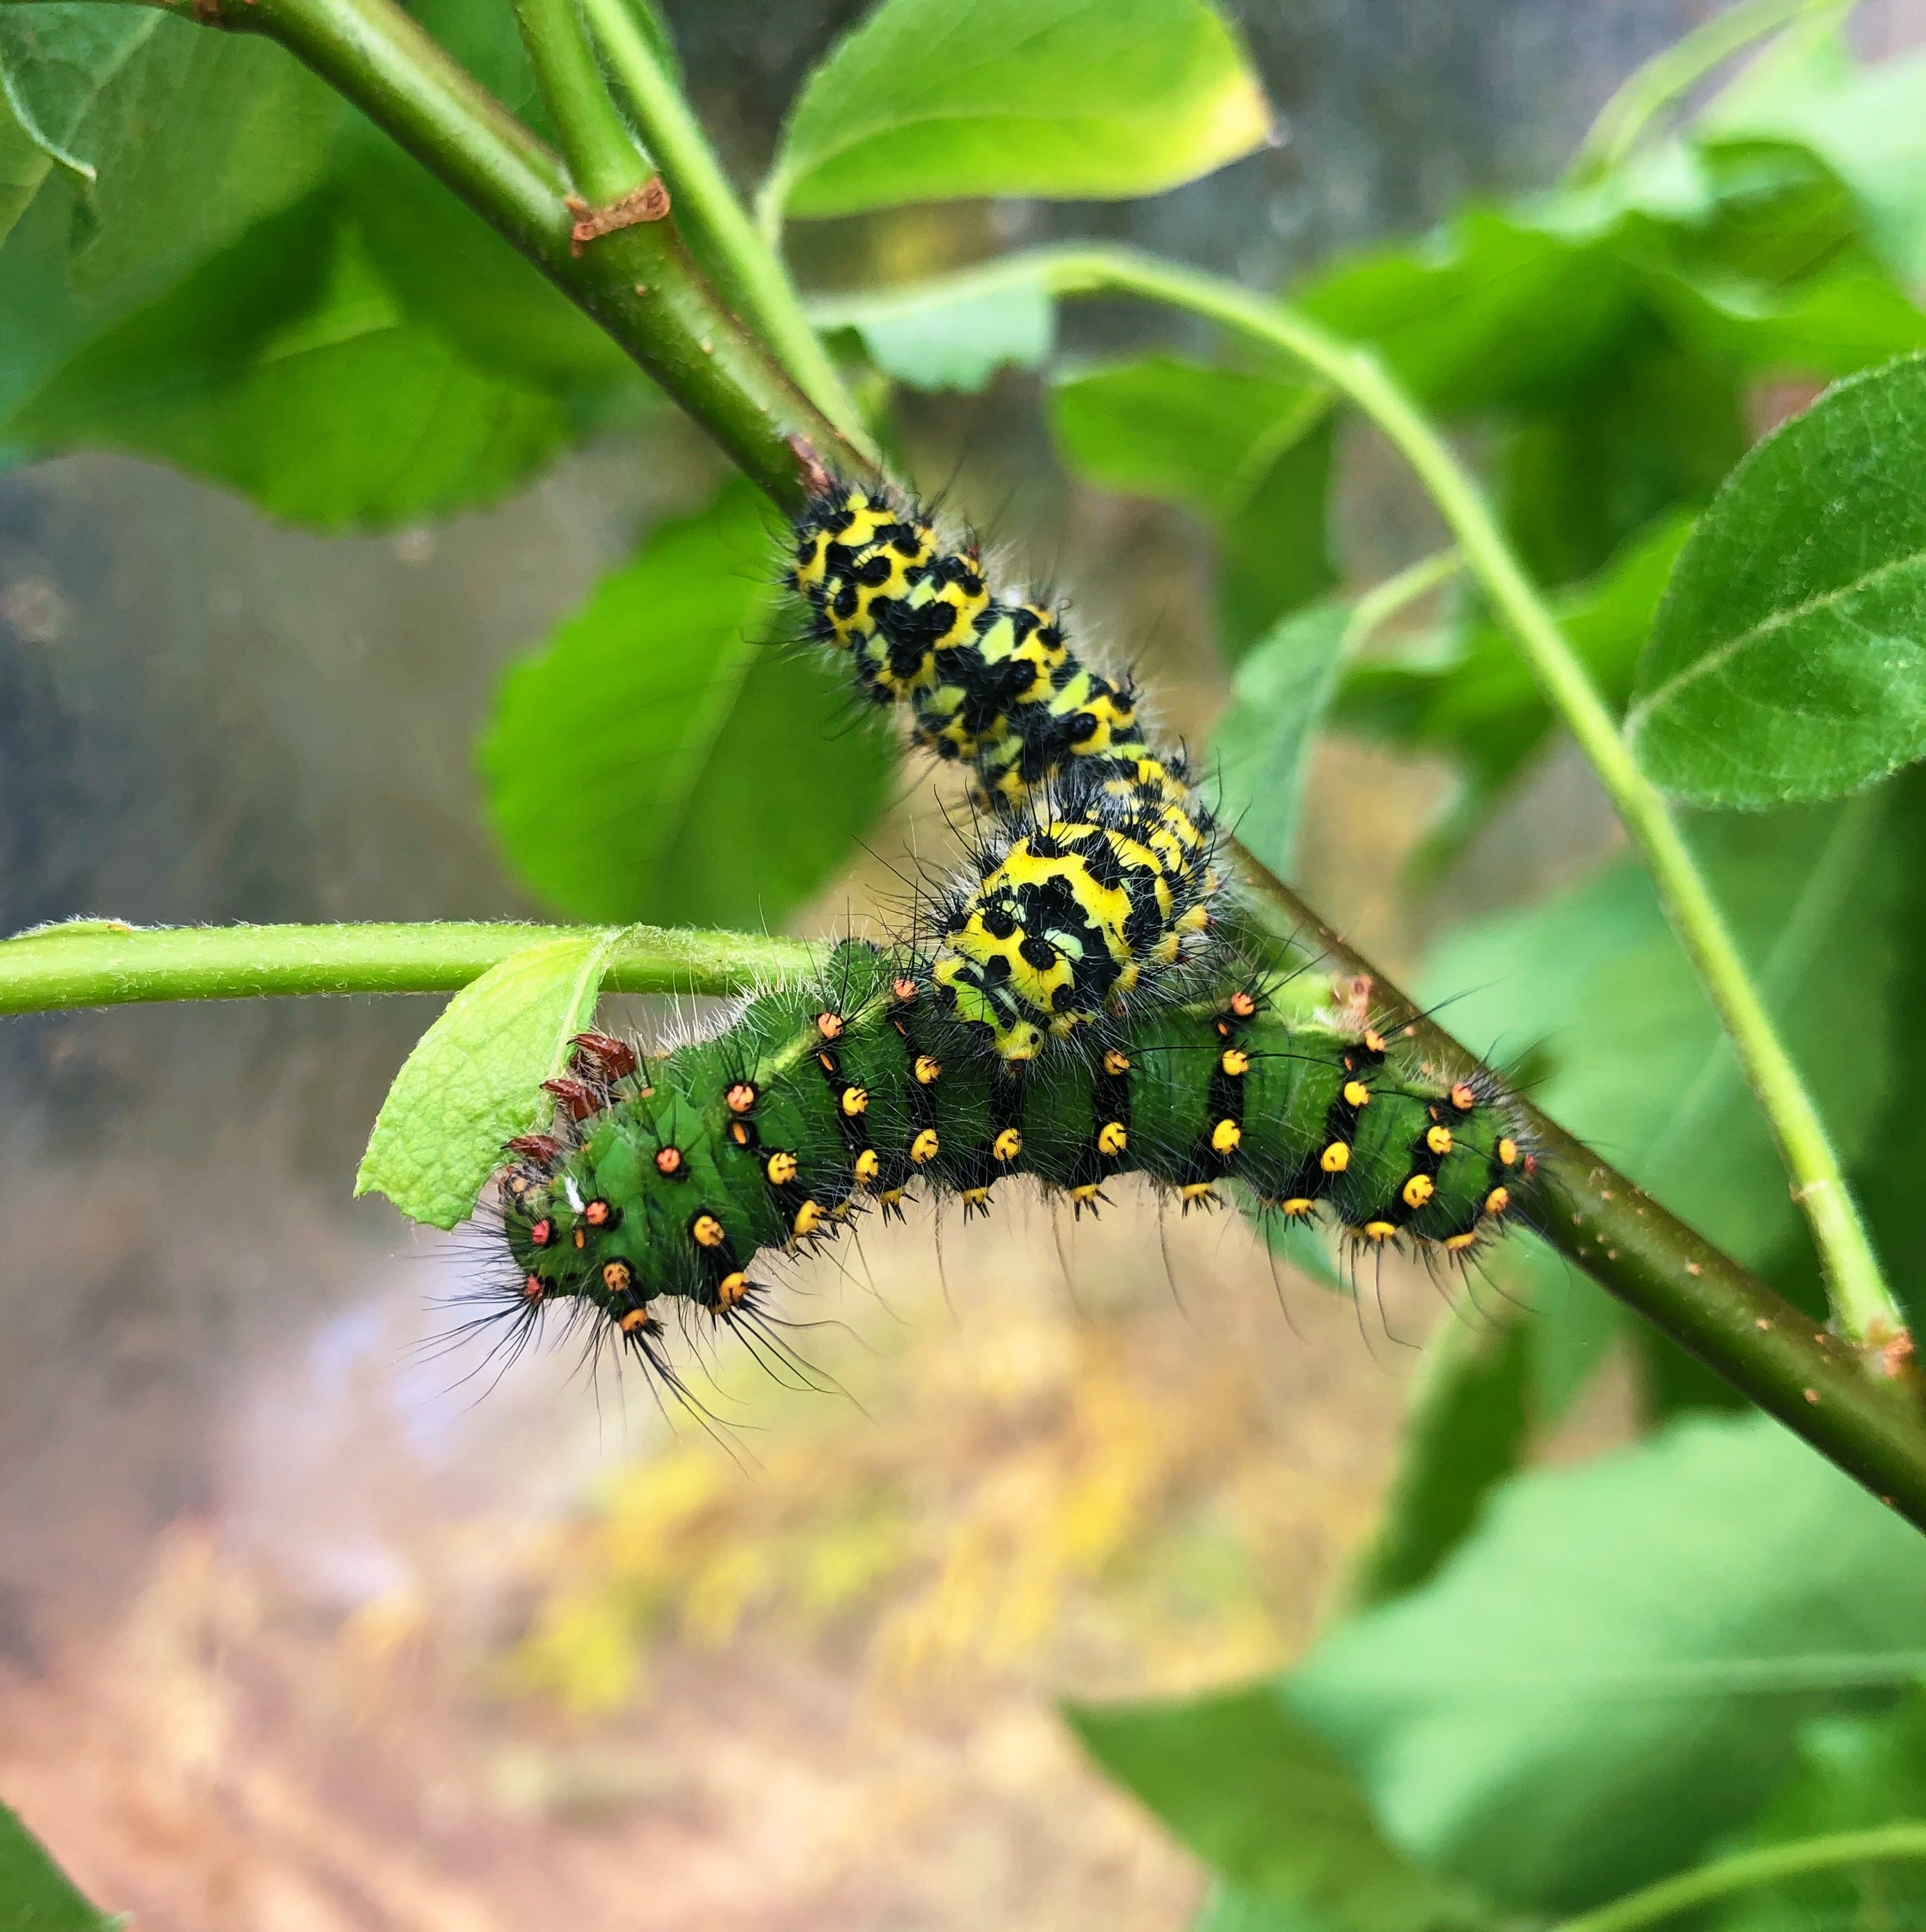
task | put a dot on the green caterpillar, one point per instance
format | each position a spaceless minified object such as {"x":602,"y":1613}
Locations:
{"x":665,"y":1178}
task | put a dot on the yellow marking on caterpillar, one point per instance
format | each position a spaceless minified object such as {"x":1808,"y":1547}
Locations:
{"x":1298,"y":1206}
{"x":1234,"y":1061}
{"x":1112,"y":1138}
{"x":731,"y":1289}
{"x":1224,"y":1137}
{"x":866,"y":1166}
{"x":1007,"y":1145}
{"x":1438,"y":1140}
{"x":1336,"y":1158}
{"x":1498,"y":1200}
{"x":781,"y":1168}
{"x":1507,"y":1151}
{"x":809,"y":1218}
{"x":1418,"y":1190}
{"x":923,"y":1148}
{"x":1357,"y":1094}
{"x":1378,"y":1230}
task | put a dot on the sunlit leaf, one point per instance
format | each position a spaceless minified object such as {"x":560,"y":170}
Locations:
{"x":926,"y":101}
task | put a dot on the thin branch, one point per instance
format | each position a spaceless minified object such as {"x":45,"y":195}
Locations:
{"x":1675,"y":71}
{"x":724,"y":241}
{"x":105,"y":963}
{"x":1862,"y":1301}
{"x":639,"y":284}
{"x":1383,"y":601}
{"x":604,"y":161}
{"x":1745,"y":1871}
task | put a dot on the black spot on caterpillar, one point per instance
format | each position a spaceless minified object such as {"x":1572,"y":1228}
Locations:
{"x":1069,"y":1012}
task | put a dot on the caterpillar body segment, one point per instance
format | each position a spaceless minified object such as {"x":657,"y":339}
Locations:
{"x":824,"y":1099}
{"x":1079,"y":910}
{"x":991,"y":682}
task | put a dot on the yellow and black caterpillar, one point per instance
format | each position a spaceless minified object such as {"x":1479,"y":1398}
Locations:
{"x":1098,"y":875}
{"x":1070,"y":1012}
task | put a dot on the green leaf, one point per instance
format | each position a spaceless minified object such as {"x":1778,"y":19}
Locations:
{"x":1495,"y":306}
{"x":1832,"y":324}
{"x":1249,"y":453}
{"x":1273,"y":550}
{"x":1852,"y":1773}
{"x":1867,"y":124}
{"x":1471,"y":696}
{"x":1788,"y":659}
{"x":1259,"y":752}
{"x":1464,"y":1431}
{"x":285,"y":369}
{"x":193,"y":136}
{"x":474,"y":1080}
{"x":1263,"y":1800}
{"x":1066,"y":99}
{"x":1628,"y":1052}
{"x":1612,"y":1672}
{"x":666,"y":754}
{"x":23,"y":167}
{"x":1645,"y":431}
{"x":1182,"y":432}
{"x":453,"y":272}
{"x":53,"y":61}
{"x":933,"y":341}
{"x":35,"y":1893}
{"x":1885,"y":1175}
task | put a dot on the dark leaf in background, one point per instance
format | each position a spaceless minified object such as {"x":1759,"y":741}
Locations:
{"x":454,"y":272}
{"x":1495,"y":307}
{"x":1853,"y":1772}
{"x":1249,"y":453}
{"x":1063,"y":98}
{"x":35,"y":1895}
{"x":1866,"y":124}
{"x":667,"y":756}
{"x":1646,"y":431}
{"x":285,"y":368}
{"x":1788,"y":659}
{"x":1611,"y":1674}
{"x":1262,"y":1799}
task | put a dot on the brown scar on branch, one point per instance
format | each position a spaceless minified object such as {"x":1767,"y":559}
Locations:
{"x":649,"y":202}
{"x":809,"y":466}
